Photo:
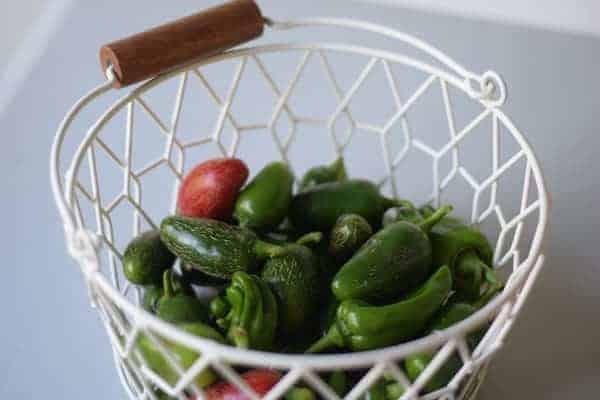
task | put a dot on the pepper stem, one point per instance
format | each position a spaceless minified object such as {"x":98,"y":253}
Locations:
{"x":389,"y":203}
{"x":167,"y":284}
{"x":310,"y":238}
{"x":434,"y":218}
{"x":265,"y":250}
{"x":331,"y":339}
{"x":340,"y":169}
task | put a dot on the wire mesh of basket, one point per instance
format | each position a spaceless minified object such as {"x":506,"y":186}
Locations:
{"x":255,"y":103}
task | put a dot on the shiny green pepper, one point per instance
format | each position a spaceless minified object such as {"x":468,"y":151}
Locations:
{"x":347,"y":235}
{"x":464,"y":248}
{"x":146,"y":258}
{"x":179,"y":306}
{"x":452,"y":313}
{"x":392,"y":262}
{"x":185,"y":356}
{"x":300,"y":393}
{"x":264,"y":203}
{"x":318,"y":208}
{"x":251,"y":320}
{"x":335,"y":172}
{"x":360,"y":326}
{"x":153,"y":294}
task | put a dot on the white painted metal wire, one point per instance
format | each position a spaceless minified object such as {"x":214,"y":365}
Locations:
{"x":98,"y":220}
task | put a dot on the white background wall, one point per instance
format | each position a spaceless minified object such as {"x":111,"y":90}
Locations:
{"x":52,"y":343}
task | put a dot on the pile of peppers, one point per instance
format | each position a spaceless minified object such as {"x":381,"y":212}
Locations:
{"x":332,"y":267}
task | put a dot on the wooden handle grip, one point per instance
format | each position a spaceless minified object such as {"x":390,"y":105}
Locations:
{"x":165,"y":47}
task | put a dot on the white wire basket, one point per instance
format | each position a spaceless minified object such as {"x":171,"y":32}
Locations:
{"x":112,"y":185}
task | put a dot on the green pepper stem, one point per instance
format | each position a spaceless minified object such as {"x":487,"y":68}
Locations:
{"x":340,"y":169}
{"x":310,"y":238}
{"x":434,"y":218}
{"x":168,"y":284}
{"x":331,"y":339}
{"x":264,"y":249}
{"x":389,"y":203}
{"x":240,"y":337}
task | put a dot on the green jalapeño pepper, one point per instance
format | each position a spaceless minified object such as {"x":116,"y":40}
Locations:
{"x":464,"y":248}
{"x":179,"y":306}
{"x":360,"y":326}
{"x":214,"y":247}
{"x":251,"y":320}
{"x":146,"y":258}
{"x":185,"y":356}
{"x":347,"y":235}
{"x":264,"y":203}
{"x":319,"y":207}
{"x":453,"y":312}
{"x":335,"y":172}
{"x":294,"y":276}
{"x":392,"y":262}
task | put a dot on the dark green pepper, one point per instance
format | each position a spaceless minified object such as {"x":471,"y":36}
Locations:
{"x":264,"y":203}
{"x":185,"y":356}
{"x":251,"y":320}
{"x":392,"y":262}
{"x":335,"y":172}
{"x":360,"y":326}
{"x":464,"y":248}
{"x":146,"y":258}
{"x":339,"y":382}
{"x":153,"y":294}
{"x":376,"y":392}
{"x":404,"y":213}
{"x":294,"y":276}
{"x":214,"y":247}
{"x":319,"y":207}
{"x":179,"y":307}
{"x":347,"y":235}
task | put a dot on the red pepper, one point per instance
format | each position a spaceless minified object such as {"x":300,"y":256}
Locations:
{"x":260,"y":380}
{"x":211,"y":188}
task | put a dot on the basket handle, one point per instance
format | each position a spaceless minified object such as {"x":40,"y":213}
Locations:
{"x":147,"y":54}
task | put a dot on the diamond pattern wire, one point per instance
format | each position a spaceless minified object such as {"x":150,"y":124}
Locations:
{"x":124,"y":329}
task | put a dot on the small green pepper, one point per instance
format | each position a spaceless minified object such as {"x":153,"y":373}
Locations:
{"x":178,"y":306}
{"x":319,"y":207}
{"x":214,"y":247}
{"x":347,"y":235}
{"x":335,"y":172}
{"x":338,"y":381}
{"x":146,"y":258}
{"x":251,"y":320}
{"x":185,"y":356}
{"x":453,"y":312}
{"x":360,"y":326}
{"x":392,"y":262}
{"x":264,"y":203}
{"x":294,"y":276}
{"x":153,"y":294}
{"x":300,"y":393}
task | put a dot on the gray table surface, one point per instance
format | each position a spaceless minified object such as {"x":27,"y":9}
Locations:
{"x":52,"y":342}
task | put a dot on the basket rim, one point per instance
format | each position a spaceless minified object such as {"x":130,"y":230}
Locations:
{"x":317,"y":361}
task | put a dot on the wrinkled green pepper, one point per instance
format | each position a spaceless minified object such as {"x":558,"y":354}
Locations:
{"x":251,"y":312}
{"x":360,"y":326}
{"x":179,"y":306}
{"x":336,"y":172}
{"x":392,"y":262}
{"x":318,"y":208}
{"x":185,"y":356}
{"x":347,"y":235}
{"x":153,"y":294}
{"x":264,"y":202}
